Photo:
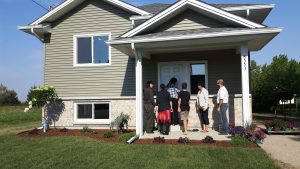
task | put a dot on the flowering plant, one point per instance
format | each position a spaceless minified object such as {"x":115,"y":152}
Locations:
{"x":42,"y":96}
{"x":237,"y":131}
{"x":257,"y":135}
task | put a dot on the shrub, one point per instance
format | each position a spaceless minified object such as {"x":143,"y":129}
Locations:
{"x":251,"y":127}
{"x":237,"y":131}
{"x":125,"y":137}
{"x":108,"y":135}
{"x":257,"y":136}
{"x":289,"y":124}
{"x":239,"y":140}
{"x":268,"y":124}
{"x":86,"y":130}
{"x":8,"y":97}
{"x":120,"y":123}
{"x":278,"y":123}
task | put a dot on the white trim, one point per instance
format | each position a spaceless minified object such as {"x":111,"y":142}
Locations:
{"x":139,"y":92}
{"x":91,"y":121}
{"x":202,"y":35}
{"x":186,"y":66}
{"x":241,"y":8}
{"x":75,"y":47}
{"x":245,"y":84}
{"x":68,"y":2}
{"x":198,"y":4}
{"x":137,"y":17}
{"x":128,"y":7}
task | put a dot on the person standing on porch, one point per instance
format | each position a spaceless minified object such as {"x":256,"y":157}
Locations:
{"x":202,"y":105}
{"x":184,"y":106}
{"x":149,"y":105}
{"x":222,"y":100}
{"x":164,"y":108}
{"x":174,"y":98}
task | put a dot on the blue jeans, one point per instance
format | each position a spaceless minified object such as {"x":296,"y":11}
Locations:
{"x":224,"y":119}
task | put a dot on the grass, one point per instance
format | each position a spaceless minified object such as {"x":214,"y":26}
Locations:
{"x":238,"y":140}
{"x":13,"y":115}
{"x":82,"y":152}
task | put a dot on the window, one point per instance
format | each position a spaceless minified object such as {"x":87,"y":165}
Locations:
{"x":92,"y":112}
{"x":198,"y":74}
{"x":91,"y":50}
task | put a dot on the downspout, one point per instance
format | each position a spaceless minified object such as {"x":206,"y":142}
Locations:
{"x":137,"y":134}
{"x":35,"y":34}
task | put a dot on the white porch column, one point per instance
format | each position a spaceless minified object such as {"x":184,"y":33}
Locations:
{"x":139,"y":93}
{"x":245,"y":84}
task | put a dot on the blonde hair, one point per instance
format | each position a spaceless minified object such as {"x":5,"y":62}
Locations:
{"x":221,"y":81}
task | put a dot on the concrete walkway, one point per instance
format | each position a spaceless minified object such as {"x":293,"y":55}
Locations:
{"x":176,"y":133}
{"x":285,"y":148}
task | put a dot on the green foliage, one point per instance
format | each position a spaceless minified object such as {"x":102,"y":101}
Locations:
{"x":108,"y":135}
{"x":120,"y":123}
{"x":86,"y":130}
{"x":251,"y":127}
{"x":278,"y":123}
{"x":281,"y":74}
{"x":43,"y":95}
{"x":239,"y":140}
{"x":13,"y":115}
{"x":8,"y":97}
{"x":125,"y":137}
{"x":30,"y":94}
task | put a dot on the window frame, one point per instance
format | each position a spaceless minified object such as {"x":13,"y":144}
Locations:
{"x":92,"y":120}
{"x":75,"y":48}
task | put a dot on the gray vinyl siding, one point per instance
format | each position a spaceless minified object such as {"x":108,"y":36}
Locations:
{"x":92,"y":16}
{"x":189,"y":19}
{"x":222,"y":64}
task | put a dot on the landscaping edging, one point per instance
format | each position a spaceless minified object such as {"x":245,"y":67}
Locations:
{"x":99,"y":135}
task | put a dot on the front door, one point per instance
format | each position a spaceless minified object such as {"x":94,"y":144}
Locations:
{"x":168,"y":71}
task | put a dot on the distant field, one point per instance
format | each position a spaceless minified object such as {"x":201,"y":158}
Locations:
{"x":14,"y":115}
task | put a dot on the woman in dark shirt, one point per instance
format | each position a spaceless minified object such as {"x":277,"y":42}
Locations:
{"x":164,"y":108}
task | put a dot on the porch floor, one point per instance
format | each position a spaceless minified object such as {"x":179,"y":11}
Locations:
{"x":191,"y":135}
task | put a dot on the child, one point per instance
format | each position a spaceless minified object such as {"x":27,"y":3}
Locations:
{"x":184,"y":106}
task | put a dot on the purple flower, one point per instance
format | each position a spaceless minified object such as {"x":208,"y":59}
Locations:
{"x":258,"y":134}
{"x":237,"y":131}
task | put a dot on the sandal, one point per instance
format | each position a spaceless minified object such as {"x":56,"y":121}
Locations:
{"x":181,"y":140}
{"x":187,"y":140}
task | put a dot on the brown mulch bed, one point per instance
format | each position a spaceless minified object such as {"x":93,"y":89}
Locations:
{"x":195,"y":143}
{"x":94,"y":134}
{"x":98,"y":135}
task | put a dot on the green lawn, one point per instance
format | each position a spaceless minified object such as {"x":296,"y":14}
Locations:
{"x":81,"y":152}
{"x":13,"y":115}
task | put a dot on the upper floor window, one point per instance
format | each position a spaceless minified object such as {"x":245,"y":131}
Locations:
{"x":91,"y":50}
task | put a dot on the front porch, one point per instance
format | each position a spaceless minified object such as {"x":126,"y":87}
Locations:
{"x":224,"y":53}
{"x":192,"y":135}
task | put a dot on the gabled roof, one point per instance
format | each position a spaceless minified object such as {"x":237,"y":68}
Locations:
{"x":199,"y":6}
{"x":68,"y":5}
{"x":155,"y":8}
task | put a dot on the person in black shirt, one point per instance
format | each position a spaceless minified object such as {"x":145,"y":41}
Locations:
{"x":164,"y":108}
{"x":184,"y":106}
{"x":149,"y":105}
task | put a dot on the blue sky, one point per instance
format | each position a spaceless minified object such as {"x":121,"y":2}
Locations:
{"x":21,"y":55}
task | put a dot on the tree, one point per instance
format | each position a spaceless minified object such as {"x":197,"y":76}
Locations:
{"x":8,"y":97}
{"x":30,"y":94}
{"x":281,"y":75}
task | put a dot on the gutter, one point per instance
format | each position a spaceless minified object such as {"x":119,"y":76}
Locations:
{"x":36,"y":35}
{"x":130,"y":141}
{"x":31,"y":29}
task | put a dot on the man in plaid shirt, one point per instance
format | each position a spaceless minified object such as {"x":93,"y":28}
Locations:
{"x":175,"y":119}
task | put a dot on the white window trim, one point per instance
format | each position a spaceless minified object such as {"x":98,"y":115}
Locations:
{"x":75,"y":53}
{"x":91,"y":121}
{"x":186,"y":66}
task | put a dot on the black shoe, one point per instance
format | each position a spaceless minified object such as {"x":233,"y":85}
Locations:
{"x":181,"y":140}
{"x":208,"y":139}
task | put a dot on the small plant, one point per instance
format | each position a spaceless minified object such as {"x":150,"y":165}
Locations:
{"x":125,"y":137}
{"x":268,"y":124}
{"x":239,"y":140}
{"x":108,"y":135}
{"x":238,"y":131}
{"x":257,"y":136}
{"x":120,"y":123}
{"x":251,"y":127}
{"x":278,"y":124}
{"x":64,"y":130}
{"x":289,"y":124}
{"x":86,"y":130}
